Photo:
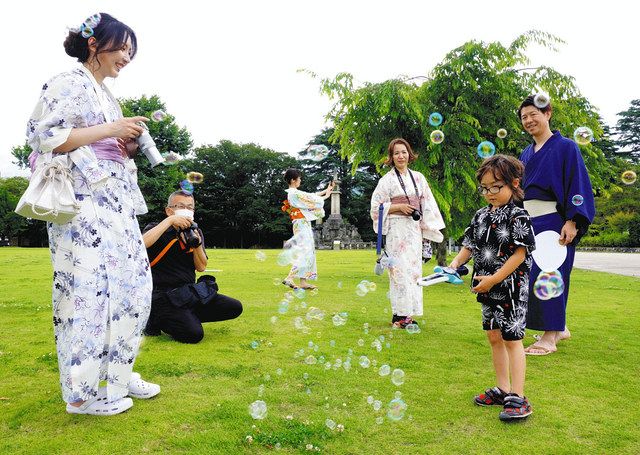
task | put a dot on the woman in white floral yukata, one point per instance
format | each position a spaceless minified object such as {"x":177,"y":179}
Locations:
{"x":101,"y":277}
{"x":409,"y":215}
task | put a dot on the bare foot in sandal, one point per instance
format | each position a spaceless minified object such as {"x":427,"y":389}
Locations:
{"x":538,"y":349}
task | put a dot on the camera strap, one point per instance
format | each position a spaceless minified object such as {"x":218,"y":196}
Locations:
{"x":403,"y":187}
{"x":163,"y":252}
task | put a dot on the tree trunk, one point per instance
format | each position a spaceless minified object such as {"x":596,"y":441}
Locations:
{"x":441,"y":251}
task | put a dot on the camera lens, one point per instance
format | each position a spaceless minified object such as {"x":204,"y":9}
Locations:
{"x":415,"y":215}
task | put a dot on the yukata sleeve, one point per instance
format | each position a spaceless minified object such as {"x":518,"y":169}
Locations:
{"x":431,"y":221}
{"x":469,"y":237}
{"x":521,"y":230}
{"x":381,"y":196}
{"x":578,"y":200}
{"x":305,"y":201}
{"x":64,"y":104}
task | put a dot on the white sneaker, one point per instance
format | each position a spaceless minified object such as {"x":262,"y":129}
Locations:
{"x":99,"y":406}
{"x":138,"y":388}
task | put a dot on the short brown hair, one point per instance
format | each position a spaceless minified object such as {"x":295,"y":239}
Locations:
{"x":505,"y":168}
{"x":392,"y":144}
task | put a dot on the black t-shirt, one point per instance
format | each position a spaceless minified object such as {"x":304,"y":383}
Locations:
{"x":176,"y":268}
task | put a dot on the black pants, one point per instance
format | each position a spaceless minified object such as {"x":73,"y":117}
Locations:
{"x":185,"y":324}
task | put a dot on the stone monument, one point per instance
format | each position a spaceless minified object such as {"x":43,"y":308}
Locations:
{"x":335,"y":227}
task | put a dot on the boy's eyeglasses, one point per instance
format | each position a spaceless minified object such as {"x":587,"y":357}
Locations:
{"x":495,"y":189}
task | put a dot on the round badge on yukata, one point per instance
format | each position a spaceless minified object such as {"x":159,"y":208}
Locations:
{"x":549,"y":254}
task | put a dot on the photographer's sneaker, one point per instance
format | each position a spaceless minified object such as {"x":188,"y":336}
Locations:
{"x":515,"y":408}
{"x":138,"y":388}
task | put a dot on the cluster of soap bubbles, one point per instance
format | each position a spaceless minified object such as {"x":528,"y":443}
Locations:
{"x":486,"y":149}
{"x":364,"y":287}
{"x":583,"y":135}
{"x":171,"y":158}
{"x":340,"y":319}
{"x":628,"y":177}
{"x":436,"y":136}
{"x":195,"y":177}
{"x":548,"y":285}
{"x":412,"y":329}
{"x":318,"y":152}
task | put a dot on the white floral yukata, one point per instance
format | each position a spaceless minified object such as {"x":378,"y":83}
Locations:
{"x":404,"y":237}
{"x":312,"y":207}
{"x":101,"y":277}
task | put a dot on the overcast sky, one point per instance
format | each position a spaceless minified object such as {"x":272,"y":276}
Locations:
{"x":227,"y":70}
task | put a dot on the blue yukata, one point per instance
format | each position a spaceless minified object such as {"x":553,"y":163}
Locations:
{"x":556,"y":172}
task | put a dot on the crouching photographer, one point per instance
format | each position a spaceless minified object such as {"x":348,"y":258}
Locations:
{"x":179,"y":305}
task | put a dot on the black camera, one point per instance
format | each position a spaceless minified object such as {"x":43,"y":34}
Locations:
{"x":416,"y":215}
{"x":191,"y":237}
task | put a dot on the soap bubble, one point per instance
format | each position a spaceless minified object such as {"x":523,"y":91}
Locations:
{"x":330,"y":424}
{"x":384,"y":370}
{"x":283,"y":307}
{"x":502,"y":133}
{"x":379,"y":420}
{"x":397,"y":377}
{"x":158,"y":116}
{"x":396,"y":409}
{"x":364,"y":361}
{"x":276,"y":281}
{"x":195,"y":177}
{"x":486,"y":149}
{"x":435,"y":119}
{"x":377,"y":405}
{"x":315,"y":313}
{"x":436,"y":136}
{"x":171,"y":158}
{"x":274,"y":319}
{"x":338,"y":320}
{"x":583,"y":135}
{"x":261,"y":256}
{"x":362,"y":288}
{"x":299,"y":293}
{"x":310,"y":360}
{"x":339,"y":284}
{"x":186,"y":186}
{"x":412,"y":329}
{"x":372,"y":286}
{"x":541,"y":100}
{"x":628,"y":177}
{"x":577,"y":200}
{"x":370,"y":399}
{"x":258,"y":409}
{"x":360,"y":342}
{"x":318,"y":152}
{"x":254,"y":345}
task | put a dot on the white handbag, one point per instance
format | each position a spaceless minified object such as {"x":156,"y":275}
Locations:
{"x":50,"y":195}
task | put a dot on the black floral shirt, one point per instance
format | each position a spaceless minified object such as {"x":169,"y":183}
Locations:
{"x":493,"y":237}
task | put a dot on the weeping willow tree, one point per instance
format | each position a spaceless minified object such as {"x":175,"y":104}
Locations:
{"x":477,"y":88}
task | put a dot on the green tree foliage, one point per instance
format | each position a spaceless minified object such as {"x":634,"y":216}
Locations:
{"x":355,"y":187}
{"x":22,"y":231}
{"x":157,"y":183}
{"x":21,"y":154}
{"x":628,"y":131}
{"x":239,"y":203}
{"x":477,"y":88}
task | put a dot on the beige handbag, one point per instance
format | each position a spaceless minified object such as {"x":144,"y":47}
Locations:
{"x":50,"y":196}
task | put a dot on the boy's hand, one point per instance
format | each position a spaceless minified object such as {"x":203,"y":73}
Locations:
{"x":485,"y":283}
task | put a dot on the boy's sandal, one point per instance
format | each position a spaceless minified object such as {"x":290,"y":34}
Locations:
{"x":491,"y":397}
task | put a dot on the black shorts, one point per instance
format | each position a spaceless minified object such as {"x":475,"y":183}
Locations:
{"x":510,"y":318}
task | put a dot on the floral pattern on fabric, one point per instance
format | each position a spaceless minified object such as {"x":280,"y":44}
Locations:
{"x":404,"y":240}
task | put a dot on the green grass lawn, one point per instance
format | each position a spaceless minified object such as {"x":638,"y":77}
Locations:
{"x":585,"y":397}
